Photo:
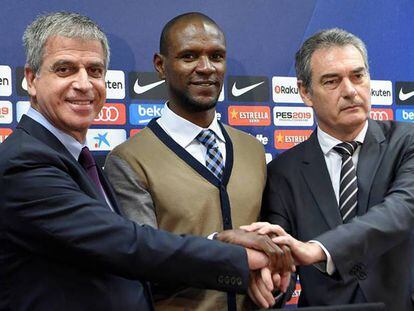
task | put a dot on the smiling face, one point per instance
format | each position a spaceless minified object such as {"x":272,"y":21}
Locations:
{"x":69,"y":89}
{"x":194,"y":65}
{"x":340,"y":91}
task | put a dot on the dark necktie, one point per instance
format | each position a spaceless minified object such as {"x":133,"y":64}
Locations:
{"x":214,"y":159}
{"x":348,"y":187}
{"x":88,"y":163}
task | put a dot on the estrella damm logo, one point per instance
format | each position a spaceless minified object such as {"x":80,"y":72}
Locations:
{"x":4,"y":133}
{"x":249,"y":115}
{"x":286,"y":139}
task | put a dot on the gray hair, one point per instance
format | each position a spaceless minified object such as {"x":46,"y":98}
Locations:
{"x":321,"y":40}
{"x":65,"y":24}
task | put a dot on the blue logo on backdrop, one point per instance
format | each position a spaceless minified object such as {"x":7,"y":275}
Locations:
{"x":141,"y":114}
{"x":404,"y":115}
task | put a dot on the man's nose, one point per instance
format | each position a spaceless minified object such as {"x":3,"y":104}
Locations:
{"x":348,"y":89}
{"x":82,"y":81}
{"x":205,"y":65}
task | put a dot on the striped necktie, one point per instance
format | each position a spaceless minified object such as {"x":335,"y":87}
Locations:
{"x":214,"y":159}
{"x":348,"y":187}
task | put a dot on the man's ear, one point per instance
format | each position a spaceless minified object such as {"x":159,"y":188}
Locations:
{"x":305,"y":93}
{"x":30,"y":77}
{"x":159,"y":62}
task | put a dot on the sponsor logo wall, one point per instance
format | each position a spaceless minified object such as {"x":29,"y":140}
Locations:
{"x":275,"y":114}
{"x":260,"y":94}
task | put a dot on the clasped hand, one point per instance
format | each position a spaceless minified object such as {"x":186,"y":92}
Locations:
{"x":270,"y":264}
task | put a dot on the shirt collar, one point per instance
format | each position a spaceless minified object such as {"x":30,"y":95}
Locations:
{"x":73,"y":146}
{"x":327,"y":142}
{"x":183,"y":131}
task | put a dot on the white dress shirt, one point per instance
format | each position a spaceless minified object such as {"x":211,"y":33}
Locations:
{"x":334,"y":164}
{"x":184,"y":132}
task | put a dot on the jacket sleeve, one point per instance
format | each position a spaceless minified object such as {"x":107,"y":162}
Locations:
{"x":45,"y":211}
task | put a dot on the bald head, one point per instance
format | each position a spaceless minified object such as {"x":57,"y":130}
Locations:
{"x":179,"y":20}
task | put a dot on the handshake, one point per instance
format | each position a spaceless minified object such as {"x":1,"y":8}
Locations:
{"x":272,"y":255}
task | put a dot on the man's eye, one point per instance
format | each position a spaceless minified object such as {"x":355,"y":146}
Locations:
{"x":329,"y":82}
{"x":188,"y":56}
{"x":62,"y":70}
{"x":217,"y":57}
{"x":96,"y":72}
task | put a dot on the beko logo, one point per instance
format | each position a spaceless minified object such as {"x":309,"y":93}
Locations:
{"x":5,"y":81}
{"x":404,"y":115}
{"x":6,"y":112}
{"x":115,"y":84}
{"x":147,"y":85}
{"x":404,"y":93}
{"x":381,"y":92}
{"x":293,"y":116}
{"x":141,"y":114}
{"x":248,"y":89}
{"x":111,"y":114}
{"x":285,"y":90}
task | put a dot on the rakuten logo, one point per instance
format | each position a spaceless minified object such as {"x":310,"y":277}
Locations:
{"x":285,"y":90}
{"x":293,"y":116}
{"x":115,"y":84}
{"x":4,"y":133}
{"x":113,"y":114}
{"x":249,"y":115}
{"x":104,"y":139}
{"x":381,"y":92}
{"x":285,"y":139}
{"x":381,"y":114}
{"x":141,"y":114}
{"x":5,"y":81}
{"x":6,"y":112}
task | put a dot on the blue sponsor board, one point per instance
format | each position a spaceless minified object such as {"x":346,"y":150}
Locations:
{"x":141,"y":114}
{"x":406,"y":115}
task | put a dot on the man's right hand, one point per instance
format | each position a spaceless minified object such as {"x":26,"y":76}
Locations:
{"x":280,"y":258}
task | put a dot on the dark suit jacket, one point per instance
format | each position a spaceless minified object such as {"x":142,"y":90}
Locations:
{"x":373,"y":250}
{"x":62,"y":248}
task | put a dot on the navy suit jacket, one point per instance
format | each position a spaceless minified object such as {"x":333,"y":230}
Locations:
{"x":62,"y":248}
{"x":373,"y":251}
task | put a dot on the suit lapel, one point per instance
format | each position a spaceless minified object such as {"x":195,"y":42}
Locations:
{"x":317,"y":178}
{"x":38,"y":131}
{"x":370,"y":156}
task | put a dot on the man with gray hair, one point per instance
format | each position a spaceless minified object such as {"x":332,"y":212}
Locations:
{"x":348,"y":191}
{"x":64,"y":242}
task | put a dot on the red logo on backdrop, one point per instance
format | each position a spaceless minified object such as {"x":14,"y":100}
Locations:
{"x":4,"y":133}
{"x":249,"y":115}
{"x":285,"y":139}
{"x":134,"y":131}
{"x":295,"y":296}
{"x":381,"y":114}
{"x":113,"y":114}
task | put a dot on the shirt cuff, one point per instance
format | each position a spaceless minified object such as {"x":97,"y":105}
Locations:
{"x":212,"y":236}
{"x":329,"y":266}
